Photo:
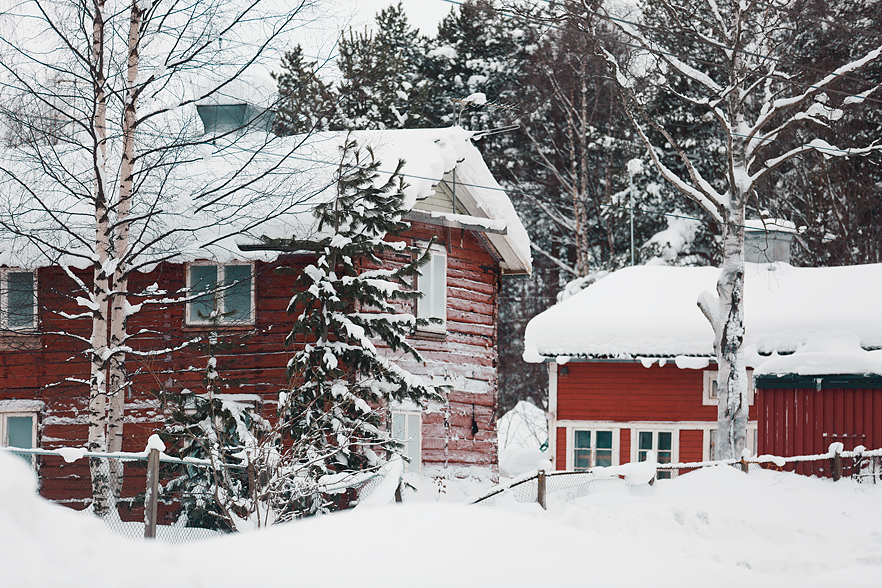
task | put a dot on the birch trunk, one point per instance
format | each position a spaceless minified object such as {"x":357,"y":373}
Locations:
{"x":729,"y":324}
{"x":118,"y":376}
{"x":102,"y":495}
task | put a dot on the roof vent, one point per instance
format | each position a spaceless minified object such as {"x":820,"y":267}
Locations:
{"x":768,"y":240}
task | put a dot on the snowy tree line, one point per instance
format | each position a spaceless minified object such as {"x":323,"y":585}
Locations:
{"x":547,"y":68}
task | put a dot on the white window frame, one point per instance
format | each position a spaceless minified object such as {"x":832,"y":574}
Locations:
{"x":20,"y":408}
{"x":195,"y":321}
{"x":425,"y":284}
{"x":675,"y":442}
{"x":752,"y":432}
{"x":412,"y":440}
{"x":571,"y":444}
{"x":709,"y":379}
{"x":4,"y":300}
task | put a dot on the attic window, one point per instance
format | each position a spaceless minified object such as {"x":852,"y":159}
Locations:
{"x":227,"y":294}
{"x":18,"y":300}
{"x":710,"y":396}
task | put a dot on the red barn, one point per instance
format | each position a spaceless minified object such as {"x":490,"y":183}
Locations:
{"x":631,"y":362}
{"x":44,"y":392}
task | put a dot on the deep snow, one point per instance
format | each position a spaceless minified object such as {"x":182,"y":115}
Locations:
{"x":713,"y":527}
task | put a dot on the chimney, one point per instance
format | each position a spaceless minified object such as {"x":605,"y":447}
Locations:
{"x":768,"y":240}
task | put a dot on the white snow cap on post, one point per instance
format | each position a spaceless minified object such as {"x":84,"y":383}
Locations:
{"x":154,"y":442}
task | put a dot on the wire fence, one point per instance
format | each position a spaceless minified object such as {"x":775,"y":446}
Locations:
{"x":859,"y":465}
{"x":186,"y":508}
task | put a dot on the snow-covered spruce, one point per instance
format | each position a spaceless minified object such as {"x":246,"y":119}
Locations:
{"x":340,"y":382}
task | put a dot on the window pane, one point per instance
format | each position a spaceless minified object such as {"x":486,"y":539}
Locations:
{"x":19,"y":431}
{"x":203,"y":278}
{"x":644,"y":440}
{"x":439,"y":287}
{"x":604,"y":439}
{"x":237,"y":298}
{"x":604,"y":456}
{"x":664,"y":441}
{"x":582,"y":459}
{"x":413,"y":442}
{"x":583,"y":439}
{"x":641,"y":455}
{"x":398,"y":426}
{"x":21,"y":299}
{"x":424,"y":304}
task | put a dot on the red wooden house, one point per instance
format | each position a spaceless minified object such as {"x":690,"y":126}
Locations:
{"x":478,"y":237}
{"x":631,"y":363}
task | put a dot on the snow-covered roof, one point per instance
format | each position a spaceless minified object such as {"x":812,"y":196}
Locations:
{"x":211,"y":202}
{"x":651,"y":312}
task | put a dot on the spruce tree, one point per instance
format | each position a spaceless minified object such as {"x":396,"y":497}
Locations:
{"x":306,"y":103}
{"x":340,"y":379}
{"x":207,"y":426}
{"x":381,"y":85}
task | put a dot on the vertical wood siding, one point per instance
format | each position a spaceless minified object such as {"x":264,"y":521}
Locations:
{"x":806,"y":421}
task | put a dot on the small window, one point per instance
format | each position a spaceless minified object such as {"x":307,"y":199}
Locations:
{"x":227,"y":294}
{"x":710,"y":441}
{"x":709,"y":398}
{"x":18,"y":300}
{"x":662,"y":443}
{"x":592,"y":448}
{"x":432,"y":284}
{"x":18,"y":425}
{"x":406,"y":428}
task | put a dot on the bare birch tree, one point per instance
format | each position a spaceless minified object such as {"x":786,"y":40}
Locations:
{"x":721,"y":58}
{"x":99,"y":112}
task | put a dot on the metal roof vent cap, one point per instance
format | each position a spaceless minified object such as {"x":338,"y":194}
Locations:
{"x":768,"y":240}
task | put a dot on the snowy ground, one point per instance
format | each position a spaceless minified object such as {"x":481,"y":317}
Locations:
{"x":717,"y":527}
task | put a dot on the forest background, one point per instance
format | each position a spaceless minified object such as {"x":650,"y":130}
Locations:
{"x":557,"y":139}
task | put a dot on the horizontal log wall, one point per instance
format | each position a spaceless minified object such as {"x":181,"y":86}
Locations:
{"x":252,"y":359}
{"x":627,"y":391}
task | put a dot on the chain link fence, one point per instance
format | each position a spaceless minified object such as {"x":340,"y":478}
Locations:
{"x":185,"y":500}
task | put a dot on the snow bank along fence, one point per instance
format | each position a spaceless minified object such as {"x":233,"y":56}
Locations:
{"x":149,"y":504}
{"x":860,"y":465}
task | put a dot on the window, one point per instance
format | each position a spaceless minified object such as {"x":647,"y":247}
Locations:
{"x":662,"y":443}
{"x":432,"y":284}
{"x":592,"y":448}
{"x":18,"y":424}
{"x":18,"y":300}
{"x":406,"y":429}
{"x":710,"y":441}
{"x":710,"y":388}
{"x":228,"y":297}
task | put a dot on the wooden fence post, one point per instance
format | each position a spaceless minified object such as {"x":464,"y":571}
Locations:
{"x":152,"y":494}
{"x":837,"y":464}
{"x":540,"y":489}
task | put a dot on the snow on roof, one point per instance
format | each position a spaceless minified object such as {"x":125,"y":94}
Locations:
{"x":770,"y":224}
{"x":213,"y":201}
{"x":651,"y":311}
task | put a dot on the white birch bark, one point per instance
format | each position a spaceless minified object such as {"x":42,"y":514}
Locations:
{"x":100,"y":303}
